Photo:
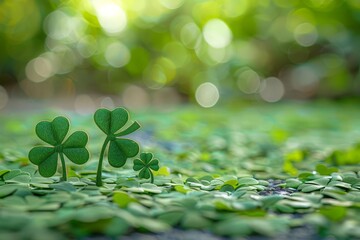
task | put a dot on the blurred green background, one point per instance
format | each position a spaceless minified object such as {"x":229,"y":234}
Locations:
{"x":143,"y":52}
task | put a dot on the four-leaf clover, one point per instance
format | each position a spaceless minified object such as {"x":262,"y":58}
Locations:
{"x":120,"y":149}
{"x":146,"y":164}
{"x":54,"y":133}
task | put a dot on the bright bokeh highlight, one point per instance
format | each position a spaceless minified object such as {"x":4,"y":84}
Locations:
{"x":207,"y":95}
{"x":217,"y":34}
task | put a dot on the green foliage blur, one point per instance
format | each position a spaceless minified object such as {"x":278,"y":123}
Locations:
{"x":255,"y":49}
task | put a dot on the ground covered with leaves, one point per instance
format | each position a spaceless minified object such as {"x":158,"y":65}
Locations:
{"x":256,"y":172}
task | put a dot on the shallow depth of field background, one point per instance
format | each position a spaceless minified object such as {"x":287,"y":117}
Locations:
{"x":86,"y":54}
{"x":251,"y":107}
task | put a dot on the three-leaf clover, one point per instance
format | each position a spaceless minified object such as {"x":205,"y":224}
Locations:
{"x":146,"y":164}
{"x":120,"y":149}
{"x":54,"y":133}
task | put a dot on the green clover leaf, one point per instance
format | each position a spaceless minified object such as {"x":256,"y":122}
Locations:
{"x":54,"y":133}
{"x":120,"y":149}
{"x":146,"y":164}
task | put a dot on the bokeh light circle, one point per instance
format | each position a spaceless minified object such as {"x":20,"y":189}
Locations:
{"x":111,"y":16}
{"x":305,"y":34}
{"x":272,"y":89}
{"x":207,"y":95}
{"x":39,"y":69}
{"x":217,"y":33}
{"x":304,"y":78}
{"x":117,"y":54}
{"x":190,"y":35}
{"x":248,"y":81}
{"x":172,"y":4}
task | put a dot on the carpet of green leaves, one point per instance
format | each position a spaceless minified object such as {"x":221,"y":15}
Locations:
{"x":234,"y":171}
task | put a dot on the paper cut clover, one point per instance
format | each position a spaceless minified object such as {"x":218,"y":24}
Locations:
{"x":54,"y":133}
{"x":146,"y":164}
{"x":120,"y":149}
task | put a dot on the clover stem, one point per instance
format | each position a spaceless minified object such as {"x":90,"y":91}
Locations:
{"x":151,"y":177}
{"x":63,"y":167}
{"x":99,"y":169}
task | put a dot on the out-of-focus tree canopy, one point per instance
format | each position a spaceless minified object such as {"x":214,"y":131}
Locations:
{"x":201,"y":49}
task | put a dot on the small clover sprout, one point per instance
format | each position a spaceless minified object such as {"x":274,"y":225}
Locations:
{"x":54,"y":133}
{"x":120,"y":149}
{"x":146,"y":164}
